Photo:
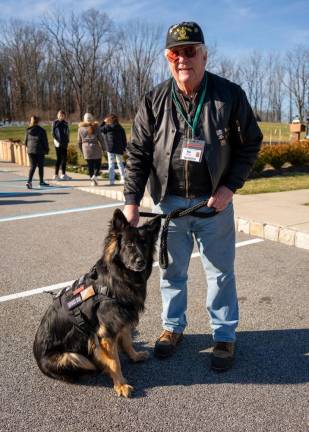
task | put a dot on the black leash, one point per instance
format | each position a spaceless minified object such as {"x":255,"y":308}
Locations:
{"x":192,"y":211}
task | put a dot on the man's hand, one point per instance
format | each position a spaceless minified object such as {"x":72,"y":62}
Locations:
{"x":220,"y":198}
{"x":131,"y":213}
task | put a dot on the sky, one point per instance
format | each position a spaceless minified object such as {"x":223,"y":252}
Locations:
{"x":236,"y":27}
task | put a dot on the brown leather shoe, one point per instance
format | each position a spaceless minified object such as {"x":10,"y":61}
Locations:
{"x":166,"y":344}
{"x":223,"y":356}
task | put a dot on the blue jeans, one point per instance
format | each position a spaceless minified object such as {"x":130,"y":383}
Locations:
{"x":215,"y":237}
{"x":111,"y":166}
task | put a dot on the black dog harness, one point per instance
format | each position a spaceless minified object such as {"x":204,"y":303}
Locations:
{"x":80,"y":300}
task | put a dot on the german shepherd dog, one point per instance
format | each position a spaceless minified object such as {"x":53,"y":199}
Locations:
{"x":87,"y":322}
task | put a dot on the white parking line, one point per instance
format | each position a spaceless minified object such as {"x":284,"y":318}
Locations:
{"x":65,"y":284}
{"x":60,"y":212}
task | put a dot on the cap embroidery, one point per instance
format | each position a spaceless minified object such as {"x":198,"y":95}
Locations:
{"x":182,"y":33}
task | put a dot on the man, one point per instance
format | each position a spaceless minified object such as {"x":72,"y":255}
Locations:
{"x":195,"y":138}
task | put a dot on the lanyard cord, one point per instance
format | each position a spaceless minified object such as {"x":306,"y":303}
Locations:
{"x":199,"y":108}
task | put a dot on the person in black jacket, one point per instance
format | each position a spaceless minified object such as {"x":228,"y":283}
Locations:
{"x":195,"y":139}
{"x":37,"y":147}
{"x":115,"y":144}
{"x":61,"y":135}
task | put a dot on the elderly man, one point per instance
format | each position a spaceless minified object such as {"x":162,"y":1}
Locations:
{"x":194,"y":138}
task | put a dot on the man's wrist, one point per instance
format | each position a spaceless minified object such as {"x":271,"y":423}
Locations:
{"x":230,"y":187}
{"x":131,"y":199}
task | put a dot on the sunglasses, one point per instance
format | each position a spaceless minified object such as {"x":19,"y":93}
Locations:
{"x":173,"y":54}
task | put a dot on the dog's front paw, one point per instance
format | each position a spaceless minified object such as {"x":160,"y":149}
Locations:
{"x":124,"y":390}
{"x":141,"y":356}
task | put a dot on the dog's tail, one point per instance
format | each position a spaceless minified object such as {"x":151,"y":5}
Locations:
{"x":65,"y":366}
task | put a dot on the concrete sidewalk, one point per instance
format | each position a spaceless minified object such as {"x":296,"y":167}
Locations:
{"x":280,"y":216}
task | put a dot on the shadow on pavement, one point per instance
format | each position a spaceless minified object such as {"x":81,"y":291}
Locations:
{"x":262,"y":357}
{"x":16,"y":202}
{"x":26,"y":194}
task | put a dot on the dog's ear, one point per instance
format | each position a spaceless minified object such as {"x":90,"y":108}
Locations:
{"x":119,"y":221}
{"x":153,"y":225}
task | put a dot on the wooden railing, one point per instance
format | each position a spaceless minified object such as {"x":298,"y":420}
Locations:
{"x":14,"y":152}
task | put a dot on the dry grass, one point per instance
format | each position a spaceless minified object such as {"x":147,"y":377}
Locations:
{"x":276,"y":184}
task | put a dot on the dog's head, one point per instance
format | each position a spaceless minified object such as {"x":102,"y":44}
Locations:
{"x":133,"y":247}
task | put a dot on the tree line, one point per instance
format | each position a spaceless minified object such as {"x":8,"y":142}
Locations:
{"x":85,"y":62}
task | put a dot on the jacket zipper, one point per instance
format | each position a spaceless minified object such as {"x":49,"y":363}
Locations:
{"x":187,"y":178}
{"x":239,"y":131}
{"x":187,"y":170}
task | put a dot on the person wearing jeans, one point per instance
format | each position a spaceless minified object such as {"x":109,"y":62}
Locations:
{"x":112,"y":158}
{"x":215,"y":238}
{"x":194,"y":138}
{"x":37,"y":147}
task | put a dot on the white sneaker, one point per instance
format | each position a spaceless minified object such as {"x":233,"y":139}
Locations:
{"x":56,"y":177}
{"x":94,"y":180}
{"x":65,"y":177}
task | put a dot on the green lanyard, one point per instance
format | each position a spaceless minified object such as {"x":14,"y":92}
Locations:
{"x":199,"y":107}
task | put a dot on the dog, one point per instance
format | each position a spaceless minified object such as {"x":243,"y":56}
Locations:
{"x":88,"y":321}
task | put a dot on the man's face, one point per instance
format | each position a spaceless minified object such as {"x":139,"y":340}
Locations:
{"x":187,"y":64}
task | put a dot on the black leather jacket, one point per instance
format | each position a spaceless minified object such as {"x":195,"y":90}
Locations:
{"x":232,"y":137}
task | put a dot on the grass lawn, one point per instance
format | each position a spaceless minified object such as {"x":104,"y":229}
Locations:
{"x":18,"y":133}
{"x":271,"y":131}
{"x":276,"y":184}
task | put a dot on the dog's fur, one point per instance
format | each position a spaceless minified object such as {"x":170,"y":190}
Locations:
{"x":63,"y":352}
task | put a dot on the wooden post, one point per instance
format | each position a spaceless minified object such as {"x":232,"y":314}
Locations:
{"x":296,"y":129}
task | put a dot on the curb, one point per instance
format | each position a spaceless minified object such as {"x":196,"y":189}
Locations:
{"x":263,"y":230}
{"x":277,"y":233}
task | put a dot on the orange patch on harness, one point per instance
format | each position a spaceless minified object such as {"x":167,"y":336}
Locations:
{"x":87,"y":293}
{"x":78,"y":290}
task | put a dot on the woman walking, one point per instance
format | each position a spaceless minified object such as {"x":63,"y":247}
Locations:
{"x":90,"y":143}
{"x":61,"y":135}
{"x":37,"y":147}
{"x":115,"y":144}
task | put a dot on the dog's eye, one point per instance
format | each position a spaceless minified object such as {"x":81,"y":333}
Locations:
{"x":130,"y":245}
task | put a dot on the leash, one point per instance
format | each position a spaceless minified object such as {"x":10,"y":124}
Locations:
{"x":180,"y":212}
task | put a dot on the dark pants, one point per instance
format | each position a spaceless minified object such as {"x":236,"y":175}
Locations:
{"x":62,"y":153}
{"x":36,"y":160}
{"x":94,"y":166}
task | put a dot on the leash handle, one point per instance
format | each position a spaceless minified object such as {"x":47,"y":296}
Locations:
{"x":192,"y":211}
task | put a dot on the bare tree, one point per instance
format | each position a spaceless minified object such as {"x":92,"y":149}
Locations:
{"x":79,"y":42}
{"x":297,"y":78}
{"x":139,"y":51}
{"x":275,"y":90}
{"x":252,"y":75}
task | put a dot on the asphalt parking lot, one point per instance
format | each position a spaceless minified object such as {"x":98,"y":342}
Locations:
{"x":54,"y":235}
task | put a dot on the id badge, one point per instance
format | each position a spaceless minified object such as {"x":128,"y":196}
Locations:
{"x":192,"y":150}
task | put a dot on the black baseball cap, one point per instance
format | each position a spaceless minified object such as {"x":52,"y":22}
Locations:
{"x":185,"y":33}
